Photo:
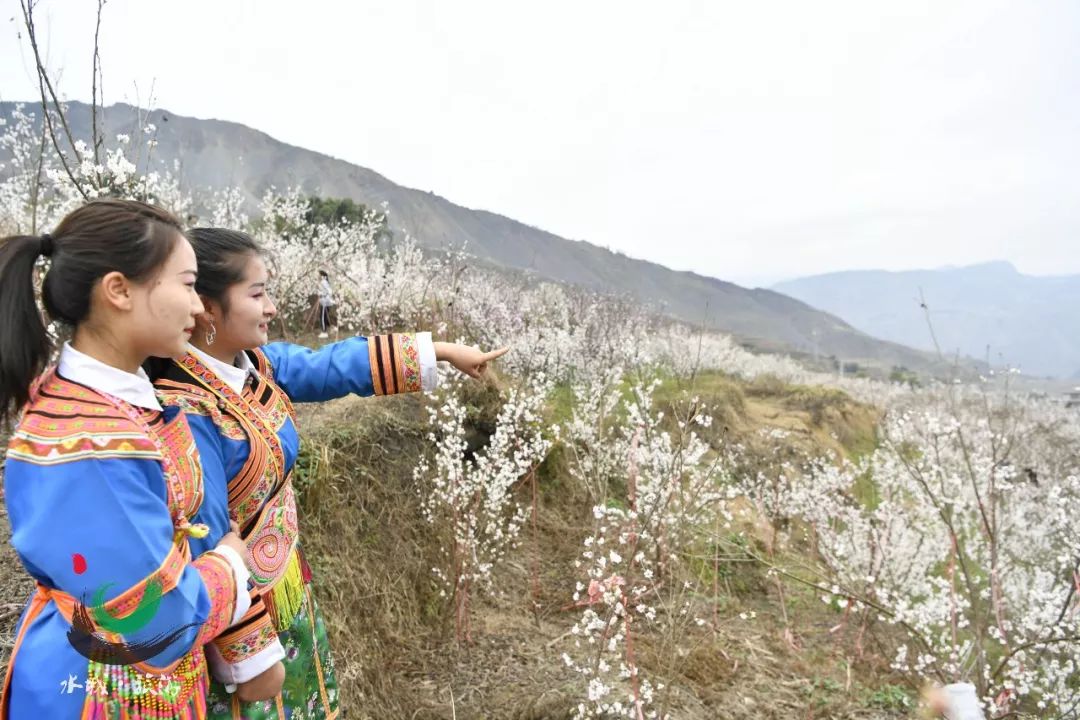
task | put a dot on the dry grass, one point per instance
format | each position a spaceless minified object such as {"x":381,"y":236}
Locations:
{"x":395,"y":653}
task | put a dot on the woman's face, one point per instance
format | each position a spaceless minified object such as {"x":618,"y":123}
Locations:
{"x":246,"y":322}
{"x":164,"y":308}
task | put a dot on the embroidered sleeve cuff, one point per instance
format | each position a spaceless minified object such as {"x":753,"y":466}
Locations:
{"x":219,"y":578}
{"x":394,"y":361}
{"x":429,"y":369}
{"x":248,"y":668}
{"x":240,"y":571}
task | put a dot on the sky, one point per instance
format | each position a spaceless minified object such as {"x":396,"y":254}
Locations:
{"x":750,"y":141}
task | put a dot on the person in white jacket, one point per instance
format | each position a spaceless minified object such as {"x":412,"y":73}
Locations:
{"x":326,"y":302}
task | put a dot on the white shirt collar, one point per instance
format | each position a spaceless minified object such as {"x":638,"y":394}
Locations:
{"x":133,"y":388}
{"x":234,"y":375}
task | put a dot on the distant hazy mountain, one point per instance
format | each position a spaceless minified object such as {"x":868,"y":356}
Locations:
{"x":1033,"y":322}
{"x":214,"y":153}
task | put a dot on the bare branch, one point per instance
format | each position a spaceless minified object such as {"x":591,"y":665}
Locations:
{"x":45,"y":84}
{"x":35,"y":197}
{"x":94,"y":87}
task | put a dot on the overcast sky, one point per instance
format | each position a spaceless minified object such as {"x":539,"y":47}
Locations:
{"x":752,"y":141}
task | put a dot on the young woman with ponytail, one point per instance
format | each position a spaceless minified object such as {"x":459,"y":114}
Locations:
{"x":100,"y":482}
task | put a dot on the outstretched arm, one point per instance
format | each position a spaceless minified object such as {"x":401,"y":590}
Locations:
{"x":375,"y":365}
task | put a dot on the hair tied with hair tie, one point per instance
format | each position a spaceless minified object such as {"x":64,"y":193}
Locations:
{"x":46,"y":246}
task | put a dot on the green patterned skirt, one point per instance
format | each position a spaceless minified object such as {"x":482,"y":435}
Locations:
{"x":311,"y":689}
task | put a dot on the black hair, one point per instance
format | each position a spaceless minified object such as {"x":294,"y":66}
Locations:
{"x":100,"y":237}
{"x":222,"y":256}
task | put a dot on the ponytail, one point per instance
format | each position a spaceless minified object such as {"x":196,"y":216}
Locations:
{"x":24,"y":343}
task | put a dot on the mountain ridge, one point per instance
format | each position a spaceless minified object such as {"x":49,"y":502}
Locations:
{"x":989,"y":308}
{"x":215,"y":153}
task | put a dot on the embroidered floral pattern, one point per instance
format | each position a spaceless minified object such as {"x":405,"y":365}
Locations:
{"x":217,"y":575}
{"x":278,"y":411}
{"x":236,"y":405}
{"x":194,"y":402}
{"x":274,"y":537}
{"x":247,"y":642}
{"x":410,"y":363}
{"x":66,"y":422}
{"x":395,"y":363}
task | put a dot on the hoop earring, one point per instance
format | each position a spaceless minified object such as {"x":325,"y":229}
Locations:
{"x":211,"y":334}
